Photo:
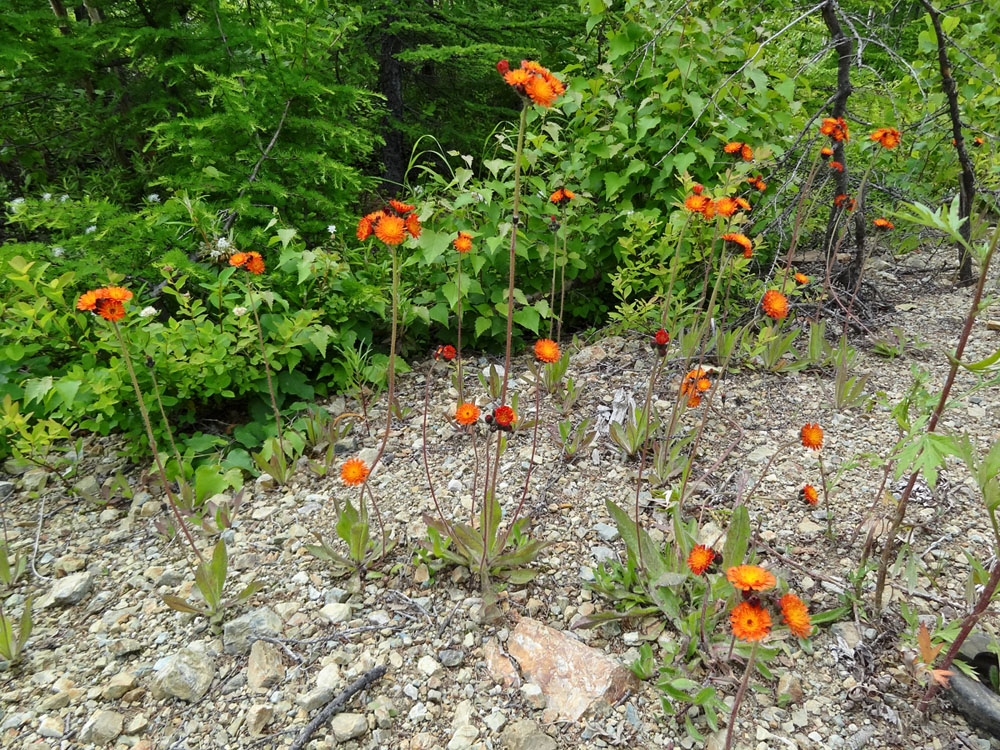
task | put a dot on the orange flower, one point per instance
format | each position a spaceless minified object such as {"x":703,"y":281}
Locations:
{"x":87,"y":301}
{"x":751,"y":578}
{"x":699,"y":559}
{"x":391,"y":230}
{"x":517,"y":77}
{"x":504,"y":416}
{"x":746,"y":153}
{"x":364,"y":230}
{"x":978,"y":141}
{"x":842,"y":201}
{"x":447,"y":352}
{"x":812,"y":436}
{"x":757,"y":182}
{"x":826,"y":152}
{"x":744,"y":203}
{"x":883,"y":224}
{"x":467,"y":414}
{"x":725,"y":207}
{"x":702,"y":384}
{"x":809,"y":494}
{"x":353,"y":472}
{"x":463,"y":243}
{"x":796,"y":615}
{"x":562,"y":195}
{"x":413,"y":225}
{"x":888,"y":137}
{"x":693,"y":382}
{"x":699,"y":204}
{"x":237,"y":259}
{"x":749,"y":622}
{"x":110,"y":309}
{"x":835,"y":127}
{"x":742,"y":241}
{"x":547,"y":350}
{"x":775,"y":304}
{"x":533,"y":81}
{"x":694,"y":400}
{"x":802,"y":278}
{"x":401,"y":208}
{"x":117,"y":293}
{"x":255,"y":263}
{"x":733,"y":147}
{"x":837,"y":165}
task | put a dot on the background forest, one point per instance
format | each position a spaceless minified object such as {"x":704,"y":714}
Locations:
{"x":142,"y":142}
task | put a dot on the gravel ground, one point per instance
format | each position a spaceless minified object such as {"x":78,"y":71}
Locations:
{"x":104,"y":644}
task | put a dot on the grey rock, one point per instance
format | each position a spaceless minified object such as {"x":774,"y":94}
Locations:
{"x":525,"y":735}
{"x":238,"y":634}
{"x":602,"y":554}
{"x":54,"y":702}
{"x":451,"y":657}
{"x":15,"y":720}
{"x":34,"y":480}
{"x":335,"y":612}
{"x":266,"y":482}
{"x":428,"y":665}
{"x":124,"y":646}
{"x":87,"y":487}
{"x":315,"y":698}
{"x":258,"y":717}
{"x":51,"y":727}
{"x":848,"y":632}
{"x":118,"y":685}
{"x":979,"y":705}
{"x":335,"y":595}
{"x":186,"y":675}
{"x":348,"y":726}
{"x":6,"y":490}
{"x":606,"y":532}
{"x":102,"y":727}
{"x":265,"y":667}
{"x":463,"y":738}
{"x":72,"y":589}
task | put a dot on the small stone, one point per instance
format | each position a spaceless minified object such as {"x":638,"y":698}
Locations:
{"x":329,"y":677}
{"x":500,"y":666}
{"x":55,"y":702}
{"x":34,"y":480}
{"x":533,"y":695}
{"x":315,"y":698}
{"x":109,"y":515}
{"x":790,"y":685}
{"x":348,"y":726}
{"x":428,"y":665}
{"x":258,"y":717}
{"x":51,"y":726}
{"x":239,"y":633}
{"x":186,"y":675}
{"x":102,"y":727}
{"x":451,"y":657}
{"x":606,"y":532}
{"x":809,"y":527}
{"x":455,"y":485}
{"x":137,"y":725}
{"x":72,"y":589}
{"x":118,"y":685}
{"x":848,"y":632}
{"x":463,"y":738}
{"x":124,"y":646}
{"x":495,"y":720}
{"x":525,"y":735}
{"x":463,"y":714}
{"x":417,"y":713}
{"x":266,"y":482}
{"x":265,"y":667}
{"x":6,"y":490}
{"x":336,"y":612}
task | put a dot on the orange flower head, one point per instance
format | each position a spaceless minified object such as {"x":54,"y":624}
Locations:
{"x":757,"y":182}
{"x":466,"y":414}
{"x":775,"y":304}
{"x":826,"y":152}
{"x":517,"y":77}
{"x":740,"y":240}
{"x":364,"y":230}
{"x":709,"y":211}
{"x":255,"y":263}
{"x":661,"y":337}
{"x":117,"y":293}
{"x":504,"y":416}
{"x":835,"y":127}
{"x":751,"y":578}
{"x":842,"y":201}
{"x":354,"y":472}
{"x":837,"y":165}
{"x":561,"y":196}
{"x":743,"y":203}
{"x":88,"y":300}
{"x":802,"y":278}
{"x":887,"y":137}
{"x":697,"y":188}
{"x":540,"y":91}
{"x":413,"y":225}
{"x":746,"y":153}
{"x":401,"y":208}
{"x":809,"y":494}
{"x":749,"y":622}
{"x":689,"y":385}
{"x":694,"y":400}
{"x":697,"y":203}
{"x":110,"y":309}
{"x":445,"y":352}
{"x":978,"y":141}
{"x":238,"y":259}
{"x":547,"y":350}
{"x":812,"y":436}
{"x":463,"y":243}
{"x":796,"y":615}
{"x":391,"y":230}
{"x":703,"y":384}
{"x":733,"y":147}
{"x":699,"y":559}
{"x":726,"y":207}
{"x":883,"y":224}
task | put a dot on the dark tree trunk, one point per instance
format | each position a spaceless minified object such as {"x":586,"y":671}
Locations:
{"x":967,"y":181}
{"x":390,"y":83}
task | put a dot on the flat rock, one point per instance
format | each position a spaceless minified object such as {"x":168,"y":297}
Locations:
{"x":463,"y":737}
{"x":525,"y":735}
{"x":102,"y":727}
{"x":335,"y":612}
{"x":500,"y":666}
{"x":238,"y":634}
{"x":258,"y":717}
{"x":51,"y":726}
{"x":348,"y":726}
{"x":186,"y":675}
{"x":72,"y":589}
{"x":574,"y":677}
{"x":979,"y":704}
{"x":118,"y":685}
{"x":265,"y":667}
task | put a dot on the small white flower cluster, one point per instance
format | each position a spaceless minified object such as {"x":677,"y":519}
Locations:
{"x":46,"y":196}
{"x":153,"y":197}
{"x":332,"y":229}
{"x":239,"y":312}
{"x":147,"y":312}
{"x":222,"y":243}
{"x":63,"y":198}
{"x":58,"y":252}
{"x":91,"y":229}
{"x":15,"y":205}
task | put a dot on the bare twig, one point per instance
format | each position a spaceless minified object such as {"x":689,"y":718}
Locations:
{"x":336,"y":705}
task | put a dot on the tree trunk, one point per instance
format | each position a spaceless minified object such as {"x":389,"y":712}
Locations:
{"x":390,"y":82}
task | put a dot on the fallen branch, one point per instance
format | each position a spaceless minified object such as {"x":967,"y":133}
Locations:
{"x":336,"y":705}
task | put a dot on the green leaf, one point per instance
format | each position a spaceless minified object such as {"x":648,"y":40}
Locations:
{"x":67,"y":390}
{"x":737,"y":537}
{"x":175,"y":602}
{"x":36,"y":389}
{"x":285,"y":235}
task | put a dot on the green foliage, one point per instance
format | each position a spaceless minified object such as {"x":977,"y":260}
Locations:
{"x":11,"y":569}
{"x":354,"y":530}
{"x":632,"y":435}
{"x":210,"y":578}
{"x":573,"y":441}
{"x":12,"y":643}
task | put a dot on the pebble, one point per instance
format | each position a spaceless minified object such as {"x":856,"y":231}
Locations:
{"x":348,"y":726}
{"x":451,"y":657}
{"x":72,"y":589}
{"x":336,"y":612}
{"x":102,"y":727}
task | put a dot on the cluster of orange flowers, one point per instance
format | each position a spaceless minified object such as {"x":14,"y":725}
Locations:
{"x":837,"y":166}
{"x":836,"y":128}
{"x":843,"y":201}
{"x":354,"y":472}
{"x":108,"y":302}
{"x":251,"y":261}
{"x":532,"y":81}
{"x":562,"y":196}
{"x":463,"y":242}
{"x":547,"y":350}
{"x":888,"y":137}
{"x":757,"y":182}
{"x":391,"y":224}
{"x":881,"y":223}
{"x":750,"y":620}
{"x":739,"y":147}
{"x":741,"y":241}
{"x":695,"y":383}
{"x":775,"y":304}
{"x":708,"y":208}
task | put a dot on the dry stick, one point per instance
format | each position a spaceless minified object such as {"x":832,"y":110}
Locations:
{"x":152,"y":443}
{"x":799,"y":216}
{"x":739,"y":695}
{"x":270,"y":384}
{"x":932,"y":423}
{"x":967,"y":184}
{"x":513,"y":247}
{"x":336,"y":705}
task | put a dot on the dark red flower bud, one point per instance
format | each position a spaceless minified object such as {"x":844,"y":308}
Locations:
{"x":502,"y":67}
{"x":662,"y":338}
{"x":697,"y":189}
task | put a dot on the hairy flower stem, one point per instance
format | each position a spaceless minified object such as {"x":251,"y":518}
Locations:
{"x":152,"y":442}
{"x":826,"y":497}
{"x":458,"y":342}
{"x":531,"y":466}
{"x":562,"y":279}
{"x":166,"y":422}
{"x":799,"y":217}
{"x":956,"y":359}
{"x":645,"y":416}
{"x":552,"y":289}
{"x":515,"y":220}
{"x":270,"y":384}
{"x":739,"y":696}
{"x":423,"y":450}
